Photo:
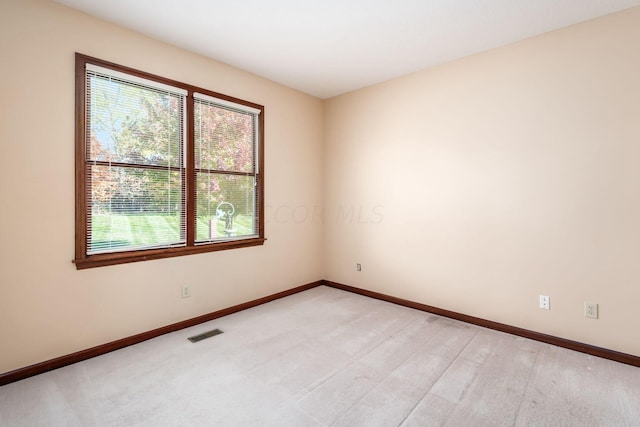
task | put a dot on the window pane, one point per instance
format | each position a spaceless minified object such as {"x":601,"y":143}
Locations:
{"x":134,"y":208}
{"x":130,"y":123}
{"x":225,"y":207}
{"x":224,"y":139}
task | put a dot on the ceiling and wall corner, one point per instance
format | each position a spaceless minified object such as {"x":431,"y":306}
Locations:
{"x":326,"y":48}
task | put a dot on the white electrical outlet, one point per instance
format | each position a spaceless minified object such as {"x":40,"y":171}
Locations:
{"x":591,"y":310}
{"x":186,"y":291}
{"x":545,"y":302}
{"x":358,"y":267}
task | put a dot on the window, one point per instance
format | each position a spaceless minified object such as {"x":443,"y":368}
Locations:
{"x":163,"y":168}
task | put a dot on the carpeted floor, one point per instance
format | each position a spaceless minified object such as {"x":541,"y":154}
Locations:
{"x":329,"y":357}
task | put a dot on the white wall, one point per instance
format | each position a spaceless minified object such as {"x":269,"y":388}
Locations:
{"x":47,"y":307}
{"x":480,"y":184}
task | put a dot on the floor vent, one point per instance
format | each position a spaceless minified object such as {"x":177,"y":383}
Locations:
{"x":205,"y":335}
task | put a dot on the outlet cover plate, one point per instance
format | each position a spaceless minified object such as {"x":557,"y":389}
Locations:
{"x":545,"y":302}
{"x":591,"y":310}
{"x":186,"y":291}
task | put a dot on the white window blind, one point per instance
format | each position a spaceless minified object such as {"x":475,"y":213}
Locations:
{"x":135,"y":169}
{"x":226,"y":170}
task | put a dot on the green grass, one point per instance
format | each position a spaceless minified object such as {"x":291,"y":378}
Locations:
{"x":109,"y":231}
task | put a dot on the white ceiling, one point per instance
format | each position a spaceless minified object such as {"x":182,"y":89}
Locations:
{"x":329,"y":47}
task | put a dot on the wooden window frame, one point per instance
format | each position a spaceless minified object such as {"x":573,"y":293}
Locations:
{"x":82,"y":260}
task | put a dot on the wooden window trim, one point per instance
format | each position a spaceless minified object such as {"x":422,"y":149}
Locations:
{"x":82,"y":260}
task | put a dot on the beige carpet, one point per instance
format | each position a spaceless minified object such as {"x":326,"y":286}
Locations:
{"x":328,"y":357}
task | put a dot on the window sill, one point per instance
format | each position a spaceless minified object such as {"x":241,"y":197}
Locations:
{"x":102,"y":260}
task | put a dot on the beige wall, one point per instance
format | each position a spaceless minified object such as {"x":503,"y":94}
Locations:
{"x":480,"y":184}
{"x":47,"y":308}
{"x":473,"y":186}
